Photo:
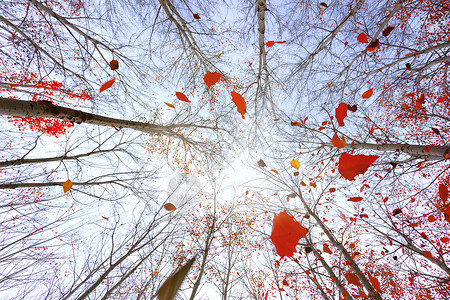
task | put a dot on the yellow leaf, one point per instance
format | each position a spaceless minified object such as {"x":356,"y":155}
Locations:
{"x":295,"y":163}
{"x":275,"y":171}
{"x":67,"y":186}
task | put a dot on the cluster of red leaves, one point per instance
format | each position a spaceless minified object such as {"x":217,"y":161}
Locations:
{"x":51,"y":127}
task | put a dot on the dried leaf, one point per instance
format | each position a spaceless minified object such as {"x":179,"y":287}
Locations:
{"x":323,"y":4}
{"x":293,"y":195}
{"x":352,"y":108}
{"x":67,"y":185}
{"x":114,"y":64}
{"x":169,"y":207}
{"x":107,"y":85}
{"x":352,"y":278}
{"x":261,"y":163}
{"x":352,"y":165}
{"x":197,"y":16}
{"x":211,"y":78}
{"x":373,"y":45}
{"x":182,"y":97}
{"x":170,"y":287}
{"x":388,"y":30}
{"x":327,"y":249}
{"x":396,"y":211}
{"x":280,"y":42}
{"x":295,"y":163}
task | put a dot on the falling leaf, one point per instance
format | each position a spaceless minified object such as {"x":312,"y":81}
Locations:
{"x":352,"y":165}
{"x":261,"y":163}
{"x":373,"y":45}
{"x":197,"y":16}
{"x":426,"y":148}
{"x":67,"y":185}
{"x":107,"y":85}
{"x":332,"y":190}
{"x":435,"y":130}
{"x":286,"y":232}
{"x":363,"y":216}
{"x":441,"y":99}
{"x":169,"y":105}
{"x":114,"y":64}
{"x":308,"y":250}
{"x":296,"y":173}
{"x":170,"y":287}
{"x":295,"y":163}
{"x":285,"y":282}
{"x":295,"y":124}
{"x":396,"y":211}
{"x":327,"y":249}
{"x":239,"y":102}
{"x":211,"y":78}
{"x":169,"y":207}
{"x":323,"y":4}
{"x":352,"y":278}
{"x":280,"y":42}
{"x":182,"y":97}
{"x":275,"y":171}
{"x":105,"y":218}
{"x":443,"y":192}
{"x":342,"y":216}
{"x":338,"y":143}
{"x":341,"y":113}
{"x":445,"y":239}
{"x":367,"y":94}
{"x":354,"y":199}
{"x":431,"y":218}
{"x":388,"y":30}
{"x":270,"y":43}
{"x":293,"y":195}
{"x":362,"y":38}
{"x":375,"y":283}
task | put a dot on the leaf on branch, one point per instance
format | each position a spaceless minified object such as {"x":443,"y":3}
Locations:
{"x":327,"y":249}
{"x":352,"y":108}
{"x":169,"y":207}
{"x":261,"y":163}
{"x":286,"y":232}
{"x":375,"y":283}
{"x":443,"y":192}
{"x":362,"y":38}
{"x":352,"y":165}
{"x":270,"y":43}
{"x":114,"y":64}
{"x":211,"y":78}
{"x":239,"y":101}
{"x":396,"y":211}
{"x":352,"y":278}
{"x":355,"y":199}
{"x":367,"y":94}
{"x":373,"y":45}
{"x":107,"y":85}
{"x":295,"y":124}
{"x":295,"y":163}
{"x":197,"y":16}
{"x":182,"y":97}
{"x":338,"y":143}
{"x":170,"y":287}
{"x":341,"y":113}
{"x":169,"y":105}
{"x":105,"y":218}
{"x":388,"y":30}
{"x":67,"y":185}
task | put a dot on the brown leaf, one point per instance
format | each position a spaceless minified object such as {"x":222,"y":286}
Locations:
{"x":67,"y":186}
{"x":261,"y":163}
{"x":170,"y":287}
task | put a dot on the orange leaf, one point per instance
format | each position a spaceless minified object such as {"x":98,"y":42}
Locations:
{"x":375,"y":283}
{"x":270,"y":43}
{"x":341,"y":113}
{"x":338,"y":143}
{"x":211,"y":78}
{"x":114,"y":64}
{"x":295,"y":124}
{"x":107,"y":85}
{"x":367,"y":94}
{"x":286,"y":232}
{"x":67,"y":185}
{"x":327,"y":249}
{"x":355,"y":199}
{"x":352,"y":165}
{"x":169,"y":105}
{"x":275,"y":171}
{"x":105,"y":218}
{"x":352,"y":278}
{"x":362,"y":38}
{"x":169,"y":206}
{"x":239,"y":102}
{"x":443,"y":192}
{"x":182,"y":97}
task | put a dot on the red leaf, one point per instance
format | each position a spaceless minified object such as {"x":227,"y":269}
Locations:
{"x":427,"y":254}
{"x":352,"y":278}
{"x":107,"y":85}
{"x":341,"y":113}
{"x":197,"y":16}
{"x":445,"y":239}
{"x":323,"y":4}
{"x":285,"y":282}
{"x":426,"y":148}
{"x":105,"y":218}
{"x":354,"y":199}
{"x":396,"y":211}
{"x":295,"y":124}
{"x":280,"y":42}
{"x":352,"y":165}
{"x":373,"y":45}
{"x":327,"y":249}
{"x":375,"y":283}
{"x":431,"y":218}
{"x":270,"y":43}
{"x":441,"y":99}
{"x":352,"y":108}
{"x":182,"y":97}
{"x":388,"y":30}
{"x":239,"y":102}
{"x":211,"y":78}
{"x":337,"y":142}
{"x":447,"y":214}
{"x":362,"y":38}
{"x":114,"y":64}
{"x":443,"y":192}
{"x":169,"y":206}
{"x":286,"y":233}
{"x":367,"y":94}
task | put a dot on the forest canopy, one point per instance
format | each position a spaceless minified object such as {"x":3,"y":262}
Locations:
{"x":224,"y":150}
